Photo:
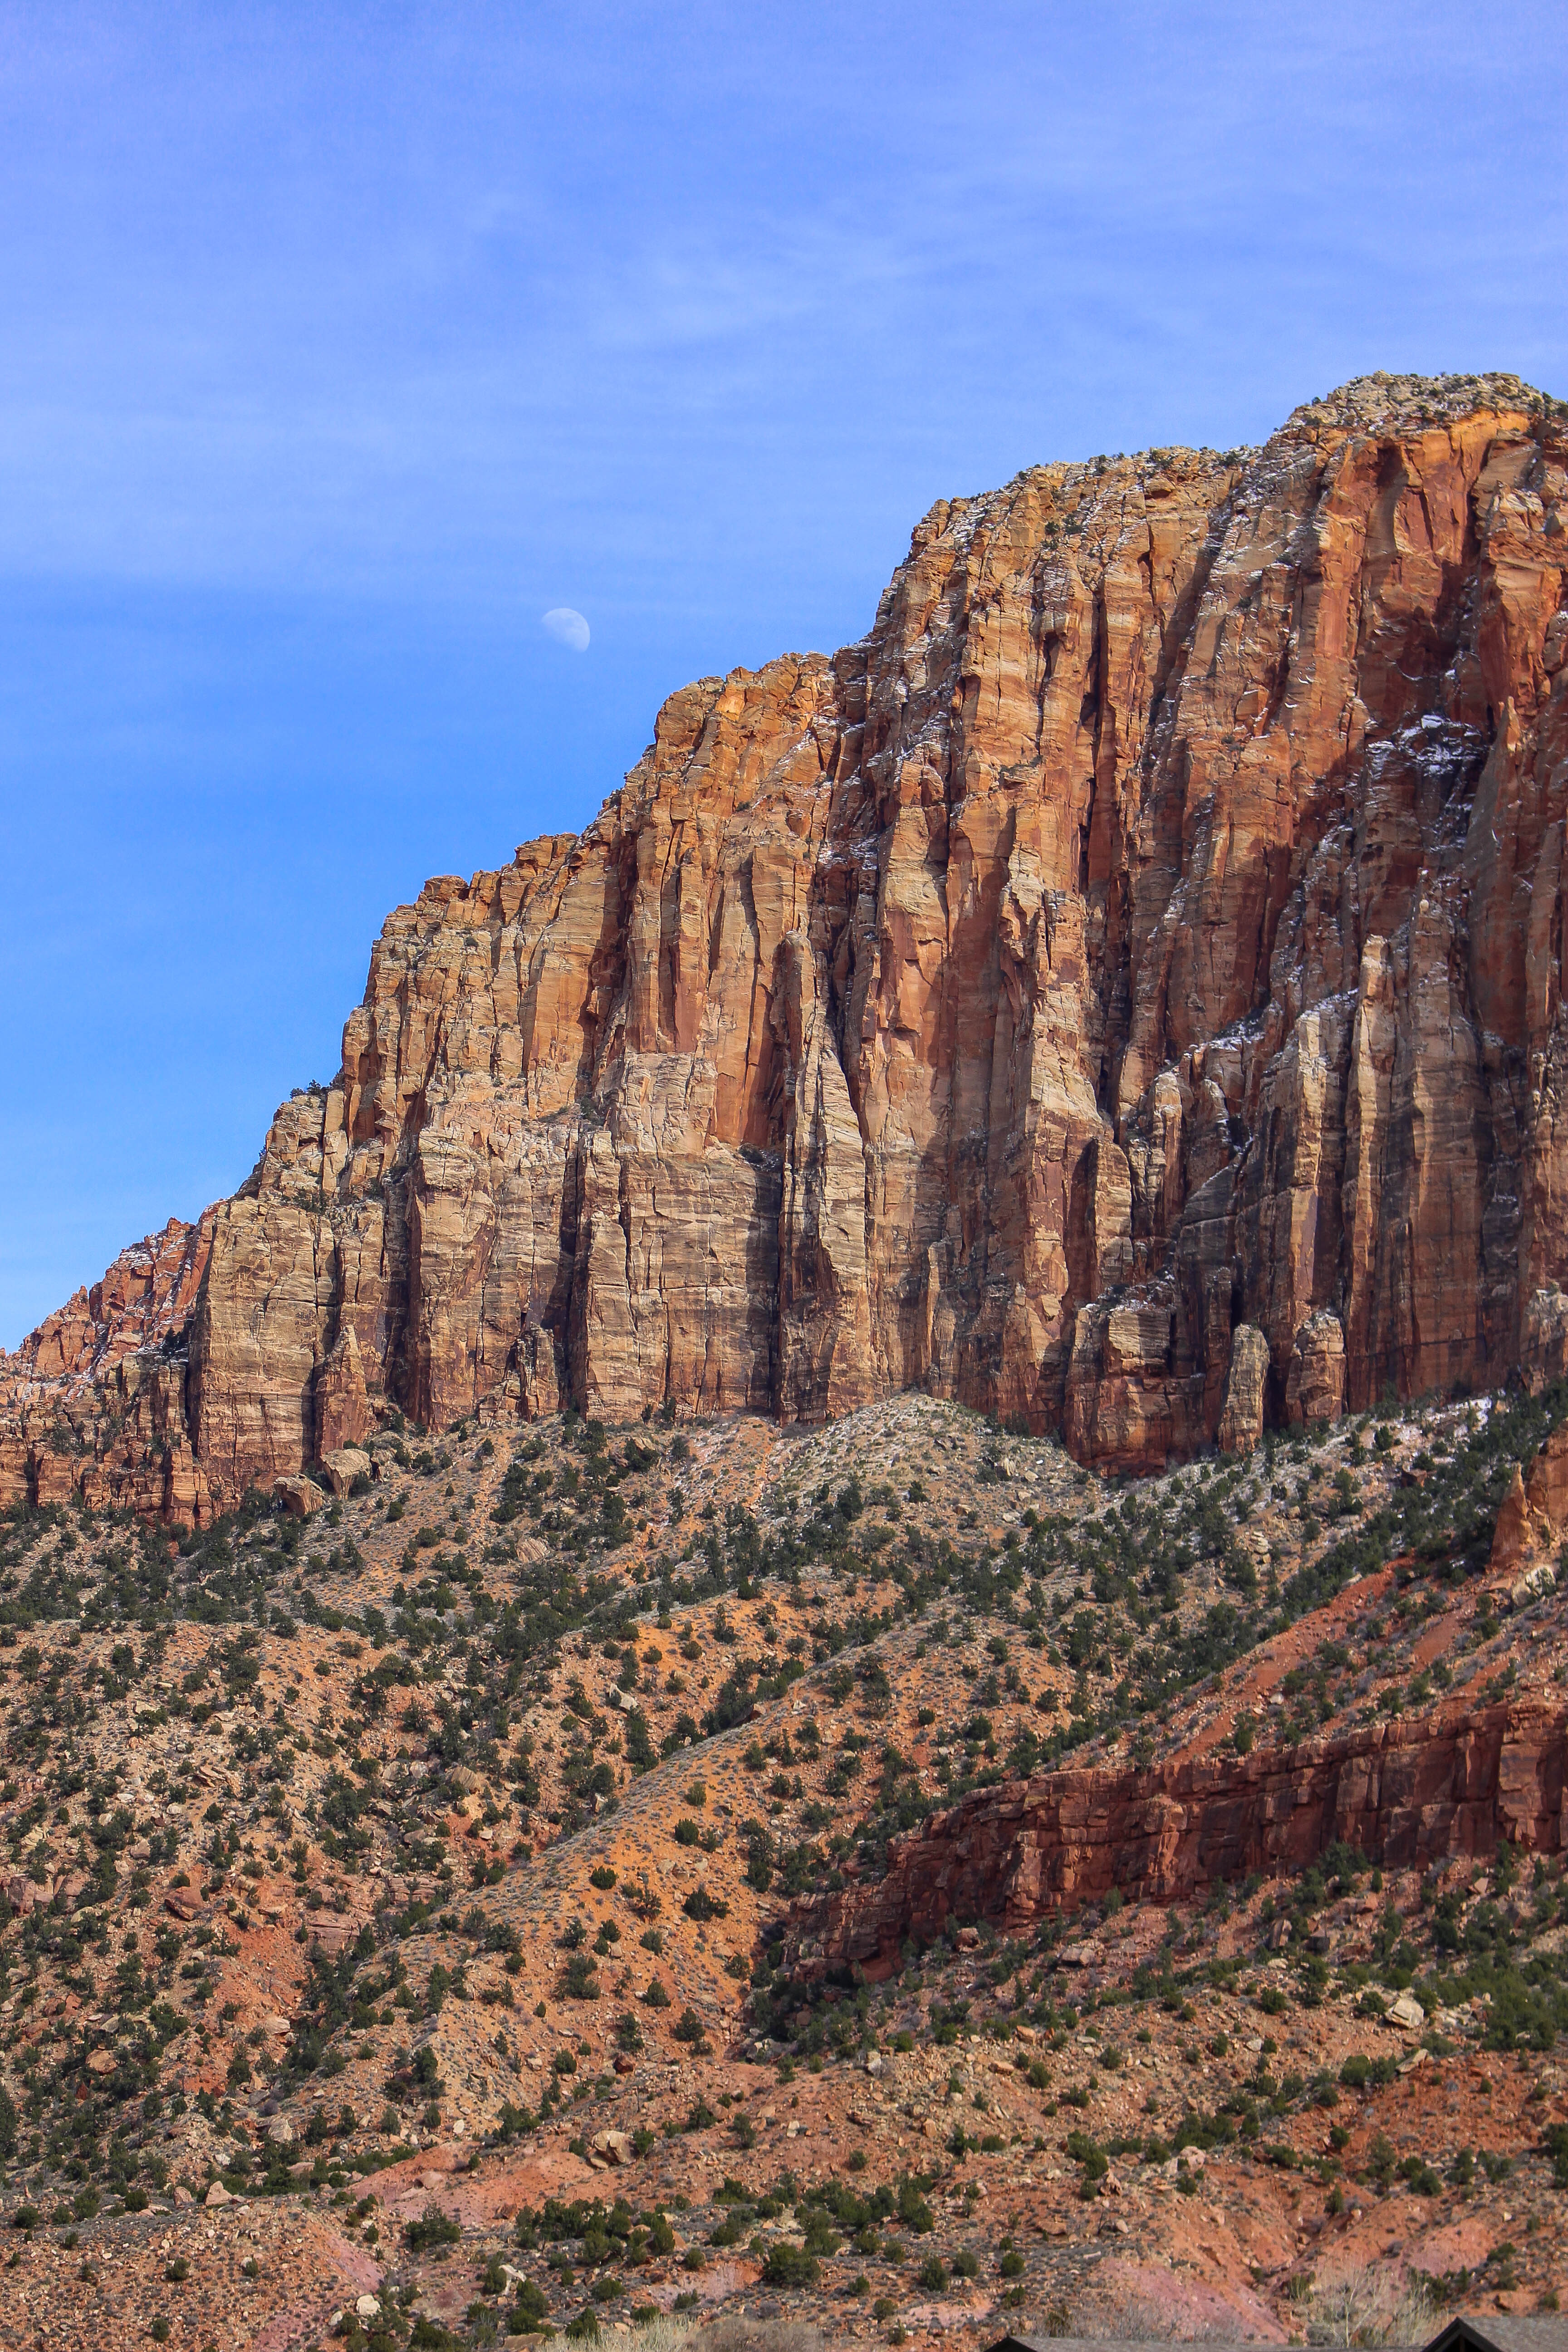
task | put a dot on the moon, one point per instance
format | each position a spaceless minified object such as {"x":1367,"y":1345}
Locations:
{"x":567,"y":627}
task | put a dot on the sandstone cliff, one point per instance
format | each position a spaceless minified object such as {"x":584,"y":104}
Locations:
{"x":1413,"y":1792}
{"x":1152,"y":929}
{"x":93,"y":1402}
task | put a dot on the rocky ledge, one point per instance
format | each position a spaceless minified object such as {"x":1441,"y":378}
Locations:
{"x":1410,"y":1794}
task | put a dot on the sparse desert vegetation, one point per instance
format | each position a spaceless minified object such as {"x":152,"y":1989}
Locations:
{"x":396,"y":1899}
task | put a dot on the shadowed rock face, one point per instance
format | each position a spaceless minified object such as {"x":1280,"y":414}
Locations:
{"x":1413,"y":1792}
{"x":1152,"y":927}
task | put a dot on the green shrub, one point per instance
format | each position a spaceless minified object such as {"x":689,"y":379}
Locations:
{"x":789,"y":2266}
{"x":530,"y":2311}
{"x":434,"y":2227}
{"x":1084,"y":2151}
{"x":913,"y":2211}
{"x":579,"y":1978}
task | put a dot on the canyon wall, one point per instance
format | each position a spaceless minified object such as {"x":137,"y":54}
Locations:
{"x":1407,"y":1793}
{"x":1152,"y":931}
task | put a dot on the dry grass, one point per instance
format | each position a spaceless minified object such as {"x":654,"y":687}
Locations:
{"x":1140,"y":2319}
{"x":1355,"y":2303}
{"x":722,"y":2334}
{"x":740,"y":2335}
{"x":662,"y":2335}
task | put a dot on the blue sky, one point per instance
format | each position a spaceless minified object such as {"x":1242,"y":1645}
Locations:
{"x":338,"y":344}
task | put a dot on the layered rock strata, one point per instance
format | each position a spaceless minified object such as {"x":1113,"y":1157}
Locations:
{"x":1152,"y":929}
{"x":1406,"y":1793}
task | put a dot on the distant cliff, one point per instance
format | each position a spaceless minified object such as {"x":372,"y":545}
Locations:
{"x":1123,"y":990}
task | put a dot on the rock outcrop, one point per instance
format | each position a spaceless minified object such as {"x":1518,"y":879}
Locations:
{"x":1406,"y":1793}
{"x":93,"y":1404}
{"x":147,"y":1294}
{"x":1246,"y":1391}
{"x":1532,"y":1522}
{"x":1153,"y":927}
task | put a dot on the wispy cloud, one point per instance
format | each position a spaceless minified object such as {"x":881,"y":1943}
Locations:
{"x":339,"y":344}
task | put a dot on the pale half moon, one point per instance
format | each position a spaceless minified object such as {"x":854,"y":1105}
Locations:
{"x":567,"y":627}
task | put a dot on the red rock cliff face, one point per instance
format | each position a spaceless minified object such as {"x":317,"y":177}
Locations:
{"x":1153,"y":927}
{"x":1412,"y":1793}
{"x":95,"y":1401}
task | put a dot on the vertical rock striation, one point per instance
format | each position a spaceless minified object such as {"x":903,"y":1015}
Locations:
{"x":1153,"y":930}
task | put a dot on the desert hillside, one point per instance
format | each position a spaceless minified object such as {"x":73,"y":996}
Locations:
{"x":449,"y":1897}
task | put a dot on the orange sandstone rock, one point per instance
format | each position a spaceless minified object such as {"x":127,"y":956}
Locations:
{"x":1410,"y":1793}
{"x":1150,"y":932}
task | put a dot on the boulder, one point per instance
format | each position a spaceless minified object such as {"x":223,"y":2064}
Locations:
{"x":331,"y":1931}
{"x":344,"y":1465}
{"x":1534,"y":1585}
{"x":298,"y":1497}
